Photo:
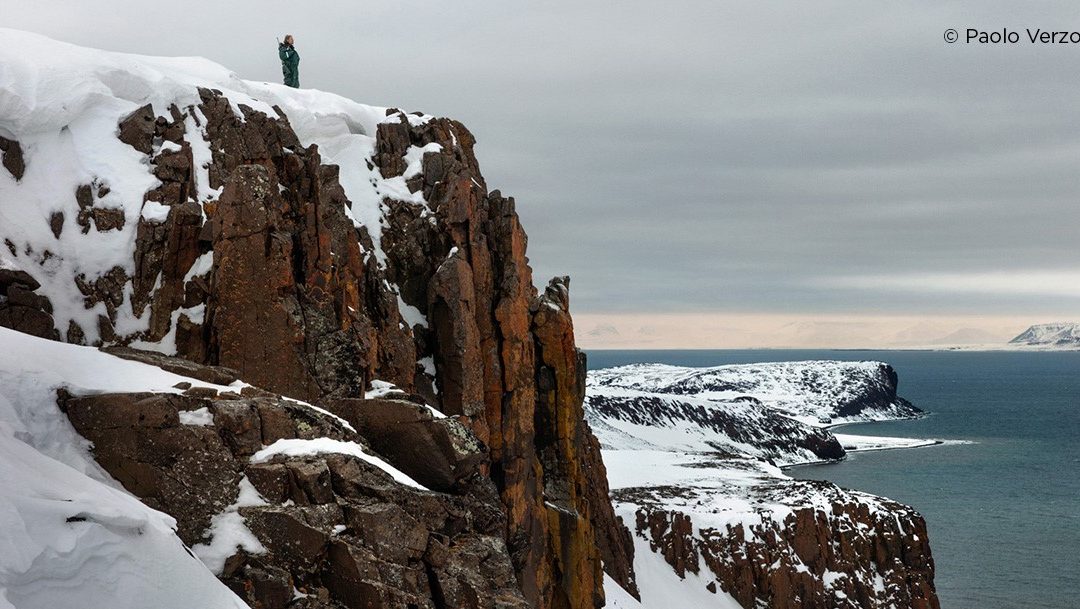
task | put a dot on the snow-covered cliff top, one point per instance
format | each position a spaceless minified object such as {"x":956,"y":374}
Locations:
{"x":62,"y":103}
{"x":46,"y":85}
{"x":812,"y":391}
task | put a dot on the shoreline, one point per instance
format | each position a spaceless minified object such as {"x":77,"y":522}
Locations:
{"x":850,"y":442}
{"x":920,"y":444}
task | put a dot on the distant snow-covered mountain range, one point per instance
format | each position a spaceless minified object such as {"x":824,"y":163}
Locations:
{"x":1060,"y":336}
{"x":1050,"y":336}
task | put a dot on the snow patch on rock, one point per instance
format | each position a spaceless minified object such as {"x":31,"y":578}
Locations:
{"x":295,"y":447}
{"x":228,"y":532}
{"x":201,"y":417}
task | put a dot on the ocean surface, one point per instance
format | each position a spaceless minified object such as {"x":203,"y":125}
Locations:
{"x":1003,"y":512}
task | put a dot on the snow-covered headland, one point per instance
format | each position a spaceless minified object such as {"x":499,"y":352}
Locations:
{"x":693,"y":458}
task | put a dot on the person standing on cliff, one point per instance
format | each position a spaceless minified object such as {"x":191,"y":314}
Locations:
{"x":290,"y":62}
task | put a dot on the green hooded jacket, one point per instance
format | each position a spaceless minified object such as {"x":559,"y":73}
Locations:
{"x":290,"y":64}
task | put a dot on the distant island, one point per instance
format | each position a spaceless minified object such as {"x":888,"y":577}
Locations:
{"x":1049,"y":336}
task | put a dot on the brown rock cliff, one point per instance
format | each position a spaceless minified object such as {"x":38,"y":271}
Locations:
{"x":297,"y":302}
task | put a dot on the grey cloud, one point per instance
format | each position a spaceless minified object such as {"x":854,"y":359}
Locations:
{"x":703,"y":156}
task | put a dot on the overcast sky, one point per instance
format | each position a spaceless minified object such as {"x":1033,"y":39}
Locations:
{"x":806,"y":163}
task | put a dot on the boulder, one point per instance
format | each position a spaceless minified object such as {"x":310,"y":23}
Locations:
{"x":13,"y":277}
{"x":437,"y":452}
{"x":137,"y":129}
{"x":138,"y":439}
{"x":23,"y":310}
{"x":11,"y":157}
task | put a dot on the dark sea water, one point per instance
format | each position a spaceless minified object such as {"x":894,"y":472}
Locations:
{"x":1004,"y":512}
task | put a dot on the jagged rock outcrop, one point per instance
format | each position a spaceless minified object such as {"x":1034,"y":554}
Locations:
{"x":246,"y":259}
{"x":21,"y":308}
{"x":437,"y":451}
{"x":575,"y":481}
{"x":285,"y":296}
{"x":859,"y":552}
{"x":332,"y":526}
{"x":11,"y":157}
{"x":505,"y":358}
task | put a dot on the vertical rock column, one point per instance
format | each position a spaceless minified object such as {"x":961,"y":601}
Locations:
{"x":257,"y":324}
{"x":506,"y":362}
{"x":511,"y":413}
{"x":559,"y":441}
{"x":580,"y":515}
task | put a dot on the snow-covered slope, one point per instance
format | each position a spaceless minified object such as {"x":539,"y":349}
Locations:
{"x":62,"y":104}
{"x":69,"y":535}
{"x":631,"y":419}
{"x":1050,"y":336}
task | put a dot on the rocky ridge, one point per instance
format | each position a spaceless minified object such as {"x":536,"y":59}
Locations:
{"x":319,"y":524}
{"x":240,"y":248}
{"x":770,"y":541}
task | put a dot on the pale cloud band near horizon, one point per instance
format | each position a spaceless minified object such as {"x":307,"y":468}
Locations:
{"x":779,"y":331}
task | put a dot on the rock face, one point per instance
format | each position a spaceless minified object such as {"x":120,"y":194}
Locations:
{"x":575,"y":481}
{"x":248,"y":262}
{"x":335,"y":528}
{"x":625,"y":419}
{"x":281,"y":296}
{"x":439,"y":452}
{"x":21,"y":308}
{"x":859,"y":552}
